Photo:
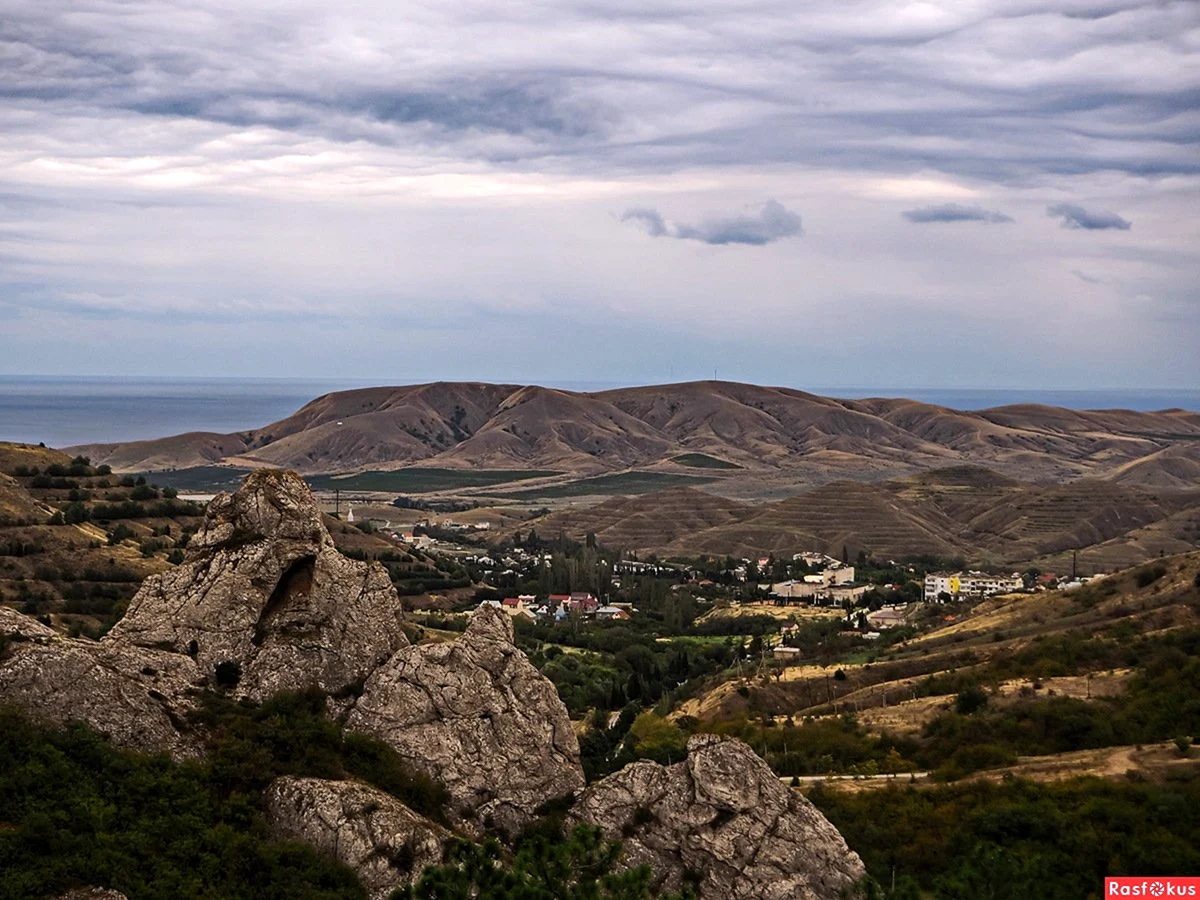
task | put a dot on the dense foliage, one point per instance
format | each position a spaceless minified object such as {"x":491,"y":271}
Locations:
{"x":75,"y":811}
{"x":1019,"y":840}
{"x":545,"y":867}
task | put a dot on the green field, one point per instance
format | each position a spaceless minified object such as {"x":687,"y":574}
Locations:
{"x":200,"y":479}
{"x":624,"y":483}
{"x":210,"y":479}
{"x":703,"y":461}
{"x":423,"y":481}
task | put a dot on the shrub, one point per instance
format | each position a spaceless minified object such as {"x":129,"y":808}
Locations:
{"x":970,"y":699}
{"x":1150,"y":574}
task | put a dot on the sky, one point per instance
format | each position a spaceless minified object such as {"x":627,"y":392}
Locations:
{"x":979,"y":193}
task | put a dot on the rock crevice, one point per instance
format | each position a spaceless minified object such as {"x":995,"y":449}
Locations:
{"x":723,"y":819}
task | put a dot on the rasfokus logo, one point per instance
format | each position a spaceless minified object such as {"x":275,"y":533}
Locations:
{"x":1151,"y":886}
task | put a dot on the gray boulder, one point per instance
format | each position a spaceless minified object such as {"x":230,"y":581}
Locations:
{"x":723,"y":818}
{"x":382,"y":840}
{"x":264,"y":599}
{"x":476,"y":715}
{"x":136,"y":696}
{"x":19,"y":627}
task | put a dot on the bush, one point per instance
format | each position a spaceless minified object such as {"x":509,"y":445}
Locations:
{"x":121,"y":533}
{"x":79,"y":811}
{"x":970,"y":699}
{"x":1150,"y":574}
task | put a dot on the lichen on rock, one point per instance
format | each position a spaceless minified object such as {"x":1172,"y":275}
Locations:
{"x":722,"y":819}
{"x":382,"y":840}
{"x":476,"y":715}
{"x":264,"y":602}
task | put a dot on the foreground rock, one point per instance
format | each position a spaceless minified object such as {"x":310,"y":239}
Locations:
{"x":723,"y":817}
{"x":264,"y":602}
{"x":18,"y":627}
{"x":135,"y":696}
{"x":477,"y":716}
{"x":382,"y":840}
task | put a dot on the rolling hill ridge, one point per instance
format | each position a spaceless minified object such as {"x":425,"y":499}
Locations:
{"x":750,"y":432}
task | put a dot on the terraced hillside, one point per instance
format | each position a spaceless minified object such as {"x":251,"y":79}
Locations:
{"x":841,"y":515}
{"x":961,"y":512}
{"x":644,"y":523}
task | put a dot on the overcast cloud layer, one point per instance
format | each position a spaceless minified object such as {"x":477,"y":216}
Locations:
{"x":410,"y":191}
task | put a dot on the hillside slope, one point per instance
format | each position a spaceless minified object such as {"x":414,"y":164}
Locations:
{"x":765,"y":430}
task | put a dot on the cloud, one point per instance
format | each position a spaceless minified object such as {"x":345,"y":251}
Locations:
{"x":651,"y":219}
{"x":773,"y":222}
{"x":1077,"y":217}
{"x":954,"y":212}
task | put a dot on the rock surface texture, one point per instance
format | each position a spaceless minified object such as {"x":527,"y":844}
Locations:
{"x":136,"y":696}
{"x":477,"y":716}
{"x":263,"y":600}
{"x":382,"y":840}
{"x":724,"y":817}
{"x":19,"y":627}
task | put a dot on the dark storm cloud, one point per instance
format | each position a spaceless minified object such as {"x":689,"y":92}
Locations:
{"x":772,"y":223}
{"x":954,"y":212}
{"x":1088,"y":220}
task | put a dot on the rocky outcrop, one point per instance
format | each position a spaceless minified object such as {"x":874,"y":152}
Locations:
{"x":20,"y":627}
{"x":92,"y":893}
{"x":478,"y":717}
{"x":723,"y":819}
{"x":136,"y":696}
{"x":382,"y":840}
{"x":263,"y":602}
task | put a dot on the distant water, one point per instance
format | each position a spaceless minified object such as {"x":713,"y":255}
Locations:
{"x":62,"y":411}
{"x":1143,"y":400}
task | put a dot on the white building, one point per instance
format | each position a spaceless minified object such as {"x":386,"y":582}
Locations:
{"x":970,"y":584}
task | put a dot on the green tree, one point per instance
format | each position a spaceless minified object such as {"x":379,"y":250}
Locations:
{"x":546,"y":867}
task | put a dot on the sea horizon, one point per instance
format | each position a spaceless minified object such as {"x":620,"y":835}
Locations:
{"x":67,"y":410}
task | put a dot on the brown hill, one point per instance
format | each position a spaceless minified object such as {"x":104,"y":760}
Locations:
{"x":963,"y":511}
{"x":843,"y":514}
{"x":1176,"y":468}
{"x":646,"y":522}
{"x":781,"y":437}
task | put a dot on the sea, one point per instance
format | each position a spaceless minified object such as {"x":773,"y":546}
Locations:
{"x":62,"y":411}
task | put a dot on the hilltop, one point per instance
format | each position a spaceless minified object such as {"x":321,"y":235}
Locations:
{"x":754,"y":439}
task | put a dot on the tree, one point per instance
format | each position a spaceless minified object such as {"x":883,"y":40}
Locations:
{"x":546,"y":867}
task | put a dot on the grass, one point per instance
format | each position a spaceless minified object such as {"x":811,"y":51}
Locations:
{"x":627,"y":483}
{"x":703,"y":461}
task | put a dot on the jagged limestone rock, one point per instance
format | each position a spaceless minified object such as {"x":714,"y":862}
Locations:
{"x":136,"y":696}
{"x":382,"y":840}
{"x":20,"y":627}
{"x":477,"y":716}
{"x":265,"y":601}
{"x":723,"y":819}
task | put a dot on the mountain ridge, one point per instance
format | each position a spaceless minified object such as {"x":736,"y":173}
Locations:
{"x":760,"y":429}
